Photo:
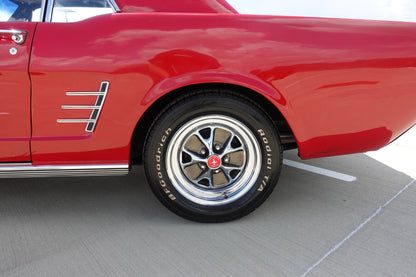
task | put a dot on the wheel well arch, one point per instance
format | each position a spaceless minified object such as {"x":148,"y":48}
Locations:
{"x":145,"y":122}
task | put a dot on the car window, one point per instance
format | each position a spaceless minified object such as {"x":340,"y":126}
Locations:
{"x":77,"y":10}
{"x":20,"y":10}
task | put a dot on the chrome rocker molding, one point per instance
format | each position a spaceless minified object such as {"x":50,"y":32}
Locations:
{"x":31,"y":171}
{"x":96,"y":109}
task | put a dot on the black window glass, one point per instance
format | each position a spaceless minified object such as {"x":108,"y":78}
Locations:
{"x":82,"y":3}
{"x":20,"y":10}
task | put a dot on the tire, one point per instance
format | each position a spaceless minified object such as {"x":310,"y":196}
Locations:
{"x":213,"y":156}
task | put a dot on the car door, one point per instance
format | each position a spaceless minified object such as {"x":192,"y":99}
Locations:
{"x":70,"y":84}
{"x":17,"y":26}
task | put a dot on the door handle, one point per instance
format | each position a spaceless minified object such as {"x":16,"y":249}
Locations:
{"x":18,"y":36}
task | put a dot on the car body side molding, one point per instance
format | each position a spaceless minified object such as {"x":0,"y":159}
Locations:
{"x":27,"y":170}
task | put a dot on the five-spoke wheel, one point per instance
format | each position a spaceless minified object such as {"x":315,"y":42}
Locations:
{"x":213,"y":160}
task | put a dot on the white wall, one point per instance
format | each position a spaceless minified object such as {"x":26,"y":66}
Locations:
{"x":397,"y":10}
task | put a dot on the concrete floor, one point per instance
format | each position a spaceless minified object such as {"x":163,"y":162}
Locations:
{"x":312,"y":225}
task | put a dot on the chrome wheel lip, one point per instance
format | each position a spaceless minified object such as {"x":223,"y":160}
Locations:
{"x":214,"y":196}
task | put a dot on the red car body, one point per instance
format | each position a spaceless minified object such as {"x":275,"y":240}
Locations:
{"x":338,"y":86}
{"x":343,"y":86}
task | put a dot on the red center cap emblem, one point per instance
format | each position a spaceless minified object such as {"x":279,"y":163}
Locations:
{"x":214,"y":162}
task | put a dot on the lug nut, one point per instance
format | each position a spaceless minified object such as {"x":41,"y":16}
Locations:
{"x":217,"y":171}
{"x":203,"y":152}
{"x":203,"y":166}
{"x":226,"y":159}
{"x":217,"y":147}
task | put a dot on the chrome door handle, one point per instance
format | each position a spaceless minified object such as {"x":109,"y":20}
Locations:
{"x":18,"y":36}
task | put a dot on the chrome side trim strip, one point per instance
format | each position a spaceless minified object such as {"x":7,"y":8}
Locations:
{"x":80,"y":107}
{"x":75,"y":120}
{"x":14,"y":164}
{"x":43,"y":11}
{"x":82,"y":93}
{"x":95,"y":109}
{"x":49,"y":10}
{"x":115,"y":6}
{"x":31,"y":171}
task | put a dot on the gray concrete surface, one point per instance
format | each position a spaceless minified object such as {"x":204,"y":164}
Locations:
{"x":311,"y":225}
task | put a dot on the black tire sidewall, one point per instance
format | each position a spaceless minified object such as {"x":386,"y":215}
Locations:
{"x":202,"y":105}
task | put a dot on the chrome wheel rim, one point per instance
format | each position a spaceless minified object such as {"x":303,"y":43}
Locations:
{"x":213,"y":160}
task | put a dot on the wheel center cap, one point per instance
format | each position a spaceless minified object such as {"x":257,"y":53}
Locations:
{"x":214,"y":162}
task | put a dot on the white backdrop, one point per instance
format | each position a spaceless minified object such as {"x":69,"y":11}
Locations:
{"x":397,"y":10}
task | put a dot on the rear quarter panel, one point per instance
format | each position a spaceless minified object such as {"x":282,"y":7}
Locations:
{"x":344,"y":86}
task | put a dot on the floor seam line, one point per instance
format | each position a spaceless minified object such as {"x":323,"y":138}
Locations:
{"x":370,"y":218}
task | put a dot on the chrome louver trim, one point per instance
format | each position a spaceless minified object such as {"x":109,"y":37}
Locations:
{"x":95,"y":109}
{"x":30,"y":171}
